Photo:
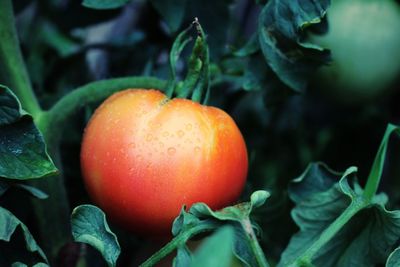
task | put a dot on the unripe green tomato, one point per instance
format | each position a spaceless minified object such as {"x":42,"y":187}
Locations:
{"x":364,"y":37}
{"x":144,"y":156}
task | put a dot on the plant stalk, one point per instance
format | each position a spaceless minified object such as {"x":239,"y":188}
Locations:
{"x":53,"y":121}
{"x":255,"y":246}
{"x":307,"y":256}
{"x":13,"y":71}
{"x":176,"y":242}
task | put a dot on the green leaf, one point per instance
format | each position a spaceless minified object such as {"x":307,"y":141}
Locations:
{"x":183,"y":257}
{"x":188,"y":224}
{"x":251,"y":47}
{"x":20,"y":264}
{"x":236,"y":213}
{"x":375,"y":174}
{"x":5,"y":185}
{"x":216,"y":251}
{"x":89,"y":226}
{"x":257,"y":74}
{"x":237,"y":216}
{"x":337,"y":226}
{"x":22,"y":149}
{"x":394,"y":258}
{"x":8,"y":226}
{"x":172,"y":11}
{"x":281,"y":31}
{"x":104,"y":4}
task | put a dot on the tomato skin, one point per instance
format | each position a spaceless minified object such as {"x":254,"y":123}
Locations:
{"x":143,"y":156}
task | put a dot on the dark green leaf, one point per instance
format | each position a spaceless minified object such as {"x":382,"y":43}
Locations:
{"x":201,"y":216}
{"x":183,"y":257}
{"x":183,"y":222}
{"x":89,"y":226}
{"x":365,"y":240}
{"x":8,"y":225}
{"x":172,"y":11}
{"x":249,"y":48}
{"x":22,"y":149}
{"x":281,"y":32}
{"x":393,"y":259}
{"x":5,"y":185}
{"x":257,"y":75}
{"x":104,"y":4}
{"x":216,"y":251}
{"x":20,"y":264}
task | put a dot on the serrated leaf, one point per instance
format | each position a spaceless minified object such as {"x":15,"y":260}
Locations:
{"x":281,"y":30}
{"x":22,"y":149}
{"x":104,"y":4}
{"x":394,"y":258}
{"x":8,"y":225}
{"x":365,"y":240}
{"x":89,"y":226}
{"x":172,"y":11}
{"x":216,"y":251}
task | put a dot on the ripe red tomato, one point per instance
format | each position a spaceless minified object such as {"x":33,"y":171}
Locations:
{"x":144,"y":156}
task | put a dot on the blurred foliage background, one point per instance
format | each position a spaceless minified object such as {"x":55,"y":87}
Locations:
{"x":67,"y":45}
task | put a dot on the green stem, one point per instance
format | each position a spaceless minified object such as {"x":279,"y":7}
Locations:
{"x":12,"y":67}
{"x":54,"y":120}
{"x":375,"y":174}
{"x":307,"y":256}
{"x":255,"y":246}
{"x":176,"y":242}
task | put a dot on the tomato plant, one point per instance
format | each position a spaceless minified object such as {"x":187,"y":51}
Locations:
{"x":170,"y":152}
{"x":365,"y":50}
{"x":120,"y":141}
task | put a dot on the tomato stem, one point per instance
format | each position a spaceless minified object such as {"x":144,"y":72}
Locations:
{"x":306,"y":257}
{"x":54,"y":120}
{"x":255,"y":246}
{"x":177,"y":241}
{"x":13,"y":70}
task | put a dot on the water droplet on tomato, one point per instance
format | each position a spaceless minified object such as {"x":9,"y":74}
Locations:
{"x":165,"y":134}
{"x":197,"y":149}
{"x":188,"y":126}
{"x":161,"y":144}
{"x":132,"y":145}
{"x":149,"y":137}
{"x":139,"y":157}
{"x":181,"y":133}
{"x":171,"y":151}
